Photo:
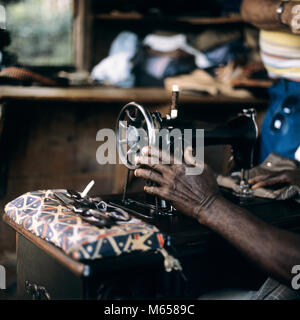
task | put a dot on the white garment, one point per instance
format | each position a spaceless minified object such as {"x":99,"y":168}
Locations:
{"x":297,"y":154}
{"x":171,"y":43}
{"x":116,"y":69}
{"x":125,"y":42}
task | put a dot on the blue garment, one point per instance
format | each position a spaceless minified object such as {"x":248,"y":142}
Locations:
{"x":225,"y":53}
{"x":281,"y":127}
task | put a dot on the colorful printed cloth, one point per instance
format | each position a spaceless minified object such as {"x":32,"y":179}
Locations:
{"x":43,"y":215}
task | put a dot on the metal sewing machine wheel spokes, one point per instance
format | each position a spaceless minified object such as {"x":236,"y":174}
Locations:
{"x":135,"y":128}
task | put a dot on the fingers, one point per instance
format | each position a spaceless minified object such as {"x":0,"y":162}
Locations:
{"x":188,"y":156}
{"x":162,"y":156}
{"x":149,"y":175}
{"x":269,"y":182}
{"x":261,"y":184}
{"x":147,"y":161}
{"x":191,"y":160}
{"x":154,"y":191}
{"x":258,"y":178}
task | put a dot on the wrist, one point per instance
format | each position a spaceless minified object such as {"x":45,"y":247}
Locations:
{"x":204,"y":212}
{"x":286,"y":15}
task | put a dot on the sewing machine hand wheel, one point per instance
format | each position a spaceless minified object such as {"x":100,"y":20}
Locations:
{"x":135,"y":129}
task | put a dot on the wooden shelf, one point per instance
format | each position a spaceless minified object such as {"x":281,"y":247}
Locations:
{"x":115,"y":95}
{"x":212,"y":20}
{"x":135,"y":16}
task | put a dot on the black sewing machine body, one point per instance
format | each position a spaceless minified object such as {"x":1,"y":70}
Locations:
{"x":137,"y":127}
{"x":240,"y":133}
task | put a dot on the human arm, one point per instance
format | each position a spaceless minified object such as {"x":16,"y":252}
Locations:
{"x":276,"y":251}
{"x":291,"y":177}
{"x":263,"y":15}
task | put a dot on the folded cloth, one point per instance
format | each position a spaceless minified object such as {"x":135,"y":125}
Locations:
{"x":176,"y":42}
{"x":273,"y":163}
{"x":201,"y":81}
{"x":226,"y":53}
{"x":212,"y":38}
{"x":162,"y":67}
{"x":176,"y":54}
{"x":126,"y":41}
{"x":151,"y":67}
{"x":43,"y":215}
{"x":116,"y":69}
{"x":297,"y":154}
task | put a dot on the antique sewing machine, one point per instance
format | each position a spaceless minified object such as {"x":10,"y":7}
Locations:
{"x":137,"y":127}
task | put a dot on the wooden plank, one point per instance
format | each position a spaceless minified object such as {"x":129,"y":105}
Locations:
{"x":212,"y":20}
{"x":115,"y":95}
{"x":135,"y":16}
{"x":259,"y":83}
{"x":82,"y":34}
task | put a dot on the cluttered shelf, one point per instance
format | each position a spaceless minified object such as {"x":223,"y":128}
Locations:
{"x":135,"y":16}
{"x":116,"y":95}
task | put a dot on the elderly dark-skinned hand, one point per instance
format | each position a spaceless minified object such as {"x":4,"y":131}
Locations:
{"x":291,"y":177}
{"x":192,"y":195}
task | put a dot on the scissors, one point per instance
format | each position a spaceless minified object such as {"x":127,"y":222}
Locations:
{"x":96,"y":212}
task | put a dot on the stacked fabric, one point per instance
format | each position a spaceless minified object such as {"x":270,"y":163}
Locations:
{"x":208,"y":62}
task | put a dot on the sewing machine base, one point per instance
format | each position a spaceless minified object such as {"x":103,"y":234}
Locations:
{"x":40,"y":276}
{"x":181,"y":229}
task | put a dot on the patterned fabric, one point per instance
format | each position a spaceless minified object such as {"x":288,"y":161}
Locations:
{"x":273,"y":290}
{"x":43,"y":215}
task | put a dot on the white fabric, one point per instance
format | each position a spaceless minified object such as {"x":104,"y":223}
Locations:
{"x":165,"y":43}
{"x":297,"y":154}
{"x":171,"y":43}
{"x":113,"y":69}
{"x":116,"y":69}
{"x":125,"y":42}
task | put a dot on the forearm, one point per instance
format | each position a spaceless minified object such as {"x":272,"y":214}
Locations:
{"x":263,"y":15}
{"x":198,"y":196}
{"x":274,"y":250}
